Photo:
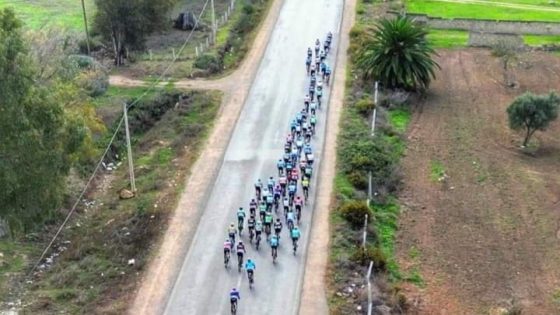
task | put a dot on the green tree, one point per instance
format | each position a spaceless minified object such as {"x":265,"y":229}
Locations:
{"x":126,"y":23}
{"x":38,"y":139}
{"x":532,"y":112}
{"x":398,"y":55}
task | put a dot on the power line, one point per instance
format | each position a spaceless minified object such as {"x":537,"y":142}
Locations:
{"x":151,"y":87}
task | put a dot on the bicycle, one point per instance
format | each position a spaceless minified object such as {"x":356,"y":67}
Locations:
{"x":251,"y":278}
{"x":240,"y":226}
{"x":258,"y":241}
{"x":239,"y":262}
{"x":274,"y":254}
{"x":305,"y":194}
{"x":251,"y":235}
{"x":290,"y":224}
{"x":298,"y":214}
{"x":234,"y":306}
{"x":295,"y":245}
{"x":226,"y":259}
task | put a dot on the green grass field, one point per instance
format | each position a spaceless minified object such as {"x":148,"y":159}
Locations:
{"x":62,"y":13}
{"x":488,"y":11}
{"x":456,"y":39}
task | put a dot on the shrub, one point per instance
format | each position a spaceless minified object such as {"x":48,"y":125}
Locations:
{"x":354,"y":212}
{"x":94,"y":82}
{"x":364,"y":106}
{"x":358,"y":180}
{"x":207,"y":62}
{"x":364,"y":256}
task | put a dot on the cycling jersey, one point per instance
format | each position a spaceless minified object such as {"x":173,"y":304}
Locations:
{"x":308,"y":170}
{"x":258,"y":226}
{"x":286,"y":202}
{"x":305,"y":183}
{"x":269,"y":199}
{"x":319,"y":92}
{"x":232,"y":230}
{"x":289,"y":164}
{"x":271,"y":183}
{"x":250,"y":266}
{"x":282,"y":180}
{"x":313,"y":120}
{"x":313,"y":105}
{"x":227,"y":245}
{"x":278,"y":225}
{"x":295,"y":233}
{"x":306,"y":99}
{"x":274,"y":241}
{"x":298,"y":201}
{"x":234,"y":295}
{"x":292,"y":188}
{"x":240,"y":214}
{"x":290,"y":216}
{"x":258,"y":184}
{"x":240,"y":249}
{"x":280,"y":164}
{"x":308,"y":61}
{"x":262,"y":207}
{"x":251,"y":223}
{"x":310,"y":157}
{"x":268,"y":219}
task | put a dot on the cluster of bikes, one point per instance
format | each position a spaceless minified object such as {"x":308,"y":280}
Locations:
{"x":281,"y":199}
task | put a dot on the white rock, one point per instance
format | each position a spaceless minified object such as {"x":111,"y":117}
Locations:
{"x":131,"y":262}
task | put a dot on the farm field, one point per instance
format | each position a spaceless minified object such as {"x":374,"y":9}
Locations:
{"x":62,"y":13}
{"x":523,"y":10}
{"x":480,"y":218}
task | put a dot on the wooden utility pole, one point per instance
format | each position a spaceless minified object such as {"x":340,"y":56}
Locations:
{"x":86,"y":27}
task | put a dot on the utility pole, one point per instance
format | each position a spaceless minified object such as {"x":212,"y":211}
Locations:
{"x":86,"y":27}
{"x":213,"y":22}
{"x":373,"y":117}
{"x":129,"y":149}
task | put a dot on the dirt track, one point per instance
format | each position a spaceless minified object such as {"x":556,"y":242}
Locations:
{"x":487,"y":236}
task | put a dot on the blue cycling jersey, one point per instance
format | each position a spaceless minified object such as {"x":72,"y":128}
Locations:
{"x":250,"y":266}
{"x":295,"y":233}
{"x":274,"y":241}
{"x":234,"y":295}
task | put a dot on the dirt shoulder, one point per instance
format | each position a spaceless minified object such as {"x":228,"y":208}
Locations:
{"x":486,"y":236}
{"x":314,"y":293}
{"x":160,"y":275}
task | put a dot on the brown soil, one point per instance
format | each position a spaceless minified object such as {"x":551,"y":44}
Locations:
{"x":487,"y":236}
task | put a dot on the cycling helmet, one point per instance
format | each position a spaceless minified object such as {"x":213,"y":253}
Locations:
{"x":277,"y":219}
{"x":241,"y":208}
{"x":249,"y":261}
{"x":227,"y":239}
{"x":232,"y":224}
{"x":240,"y":243}
{"x":234,"y":289}
{"x":252,"y":216}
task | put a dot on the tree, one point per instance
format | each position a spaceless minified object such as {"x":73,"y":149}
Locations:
{"x":38,"y":139}
{"x":533,"y":112}
{"x":126,"y":23}
{"x":398,"y":55}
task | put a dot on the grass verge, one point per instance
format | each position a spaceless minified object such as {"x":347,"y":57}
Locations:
{"x":93,"y":274}
{"x":482,"y":11}
{"x":448,"y":38}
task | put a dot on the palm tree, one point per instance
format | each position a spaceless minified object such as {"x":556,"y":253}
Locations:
{"x":398,"y":55}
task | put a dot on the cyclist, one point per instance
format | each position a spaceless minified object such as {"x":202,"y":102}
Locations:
{"x":277,"y":227}
{"x":277,"y":193}
{"x":305,"y":186}
{"x":258,"y":187}
{"x":318,"y":64}
{"x":323,"y":55}
{"x":258,"y":230}
{"x":310,"y":159}
{"x":234,"y":297}
{"x":295,"y":234}
{"x":280,"y":165}
{"x":309,"y":52}
{"x":262,"y":210}
{"x":308,"y":171}
{"x":253,"y":206}
{"x":306,"y":101}
{"x":240,"y":251}
{"x":250,"y":267}
{"x":327,"y":75}
{"x":307,"y":149}
{"x":326,"y":45}
{"x":307,"y":63}
{"x":227,"y":249}
{"x":294,"y":156}
{"x":289,"y":165}
{"x":308,"y":135}
{"x":286,"y":204}
{"x":271,"y":184}
{"x":319,"y":95}
{"x":274,"y":243}
{"x":313,"y":107}
{"x":302,"y":165}
{"x":251,"y":226}
{"x":311,"y":91}
{"x":282,"y":181}
{"x":292,"y":189}
{"x":231,"y":232}
{"x":295,"y":174}
{"x":317,"y":47}
{"x":313,"y":122}
{"x":298,"y":202}
{"x":240,"y":219}
{"x":268,"y":222}
{"x":293,"y":126}
{"x":290,"y":219}
{"x":269,"y":201}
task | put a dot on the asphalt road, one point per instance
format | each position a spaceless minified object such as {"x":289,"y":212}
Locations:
{"x":203,"y":284}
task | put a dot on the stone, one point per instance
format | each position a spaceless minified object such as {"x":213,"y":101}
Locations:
{"x":126,"y":194}
{"x":131,"y":262}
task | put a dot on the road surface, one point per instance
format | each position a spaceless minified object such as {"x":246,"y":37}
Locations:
{"x":203,"y":283}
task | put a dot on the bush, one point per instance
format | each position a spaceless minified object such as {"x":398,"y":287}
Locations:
{"x":364,"y":256}
{"x":94,"y":82}
{"x":354,"y":212}
{"x":364,"y":106}
{"x":358,"y":180}
{"x":210,"y":63}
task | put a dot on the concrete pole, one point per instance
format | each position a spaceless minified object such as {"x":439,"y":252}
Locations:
{"x":129,"y":150}
{"x":86,"y":27}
